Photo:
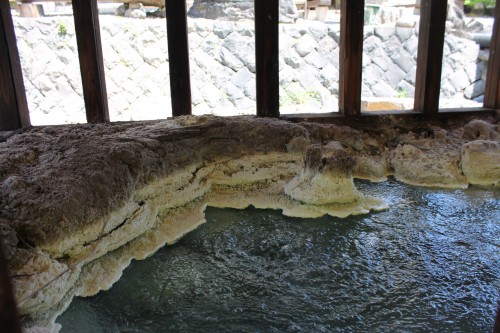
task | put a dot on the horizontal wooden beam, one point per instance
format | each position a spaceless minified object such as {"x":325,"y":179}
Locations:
{"x":492,"y":87}
{"x":14,"y":113}
{"x":351,"y":56}
{"x":430,"y":55}
{"x":404,"y":118}
{"x":178,"y":57}
{"x":88,"y":38}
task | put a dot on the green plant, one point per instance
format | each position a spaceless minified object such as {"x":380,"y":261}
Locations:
{"x":486,"y":3}
{"x":62,"y":30}
{"x":402,"y":93}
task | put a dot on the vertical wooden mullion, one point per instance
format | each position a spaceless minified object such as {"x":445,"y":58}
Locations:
{"x":178,"y":54}
{"x":88,"y":38}
{"x":492,"y":87}
{"x":267,"y":57}
{"x":430,"y":56}
{"x":14,"y":113}
{"x":351,"y":56}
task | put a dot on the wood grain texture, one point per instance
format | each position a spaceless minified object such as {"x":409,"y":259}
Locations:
{"x":351,"y":55}
{"x":178,"y":53}
{"x":88,"y":38}
{"x":430,"y":56}
{"x":267,"y":57}
{"x":492,"y":87}
{"x":14,"y":113}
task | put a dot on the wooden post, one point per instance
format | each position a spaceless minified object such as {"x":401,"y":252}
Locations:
{"x":178,"y":54}
{"x":430,"y":56}
{"x":14,"y":113}
{"x":88,"y":38}
{"x":492,"y":87}
{"x":351,"y":53}
{"x":267,"y":57}
{"x":9,"y":318}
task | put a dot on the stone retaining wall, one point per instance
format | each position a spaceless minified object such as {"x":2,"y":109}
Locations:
{"x":223,"y":67}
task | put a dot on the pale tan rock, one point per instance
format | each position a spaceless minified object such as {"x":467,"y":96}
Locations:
{"x":81,"y":201}
{"x":481,"y":162}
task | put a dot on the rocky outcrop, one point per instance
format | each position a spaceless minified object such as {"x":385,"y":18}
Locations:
{"x":80,"y":202}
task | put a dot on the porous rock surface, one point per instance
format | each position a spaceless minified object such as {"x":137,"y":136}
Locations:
{"x":78,"y":203}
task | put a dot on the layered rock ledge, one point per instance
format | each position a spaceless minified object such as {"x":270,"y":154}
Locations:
{"x":80,"y":202}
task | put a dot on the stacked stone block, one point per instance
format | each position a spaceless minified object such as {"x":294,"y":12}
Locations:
{"x":222,"y":55}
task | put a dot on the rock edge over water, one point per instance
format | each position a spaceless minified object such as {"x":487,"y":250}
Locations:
{"x":80,"y":202}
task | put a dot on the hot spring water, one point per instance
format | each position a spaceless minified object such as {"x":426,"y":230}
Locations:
{"x":430,"y":263}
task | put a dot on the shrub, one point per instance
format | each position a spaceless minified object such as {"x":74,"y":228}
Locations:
{"x":486,"y":3}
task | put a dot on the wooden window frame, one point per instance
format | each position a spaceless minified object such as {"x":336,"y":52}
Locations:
{"x":427,"y":87}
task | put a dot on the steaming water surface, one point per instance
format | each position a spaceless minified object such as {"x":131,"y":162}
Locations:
{"x":431,"y":263}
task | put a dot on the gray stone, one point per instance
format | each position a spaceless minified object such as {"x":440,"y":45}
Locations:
{"x":446,"y":70}
{"x":211,"y":94}
{"x":334,"y":32}
{"x":371,"y":43}
{"x":474,"y":90}
{"x":305,"y":45}
{"x":470,"y":52}
{"x":405,"y":23}
{"x":366,"y":91}
{"x":153,"y":56}
{"x":366,"y":60}
{"x":286,"y":43}
{"x":368,"y":31}
{"x":223,"y":28}
{"x":326,"y":45}
{"x":293,"y":30}
{"x":44,"y":83}
{"x":385,"y":33}
{"x":394,"y":76}
{"x":404,"y":60}
{"x":318,"y":30}
{"x":250,"y":90}
{"x":317,"y":60}
{"x":381,"y":59}
{"x":447,"y":89}
{"x":328,"y":75}
{"x":411,"y":75}
{"x":241,"y":78}
{"x":230,"y":60}
{"x":234,"y":42}
{"x":392,"y":46}
{"x":446,"y":50}
{"x":292,"y":59}
{"x":135,"y":13}
{"x":286,"y":75}
{"x":288,"y":11}
{"x":382,"y":89}
{"x":459,"y":80}
{"x":234,"y":93}
{"x":404,"y":33}
{"x":473,"y":72}
{"x":411,"y":46}
{"x":372,"y":74}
